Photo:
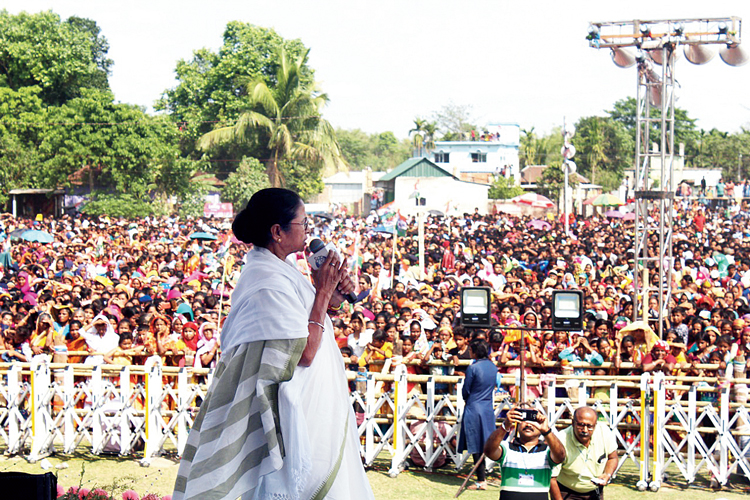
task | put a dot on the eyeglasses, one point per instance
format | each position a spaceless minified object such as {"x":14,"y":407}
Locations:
{"x":305,"y":224}
{"x":584,"y":426}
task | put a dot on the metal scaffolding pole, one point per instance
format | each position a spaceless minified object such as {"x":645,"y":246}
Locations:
{"x":657,"y":42}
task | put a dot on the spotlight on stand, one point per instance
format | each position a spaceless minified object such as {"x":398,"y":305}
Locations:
{"x":475,"y":306}
{"x":734,"y":55}
{"x":623,"y":58}
{"x":567,"y":310}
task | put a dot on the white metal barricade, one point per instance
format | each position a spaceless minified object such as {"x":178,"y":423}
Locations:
{"x":149,"y":410}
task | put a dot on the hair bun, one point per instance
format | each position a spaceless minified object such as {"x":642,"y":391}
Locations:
{"x":242,"y":226}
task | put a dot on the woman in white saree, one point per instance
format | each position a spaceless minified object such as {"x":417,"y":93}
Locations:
{"x":276,"y":422}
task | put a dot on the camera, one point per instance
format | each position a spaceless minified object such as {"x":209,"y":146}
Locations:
{"x":528,"y":414}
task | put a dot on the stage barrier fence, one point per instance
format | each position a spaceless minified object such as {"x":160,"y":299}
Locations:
{"x":699,"y":425}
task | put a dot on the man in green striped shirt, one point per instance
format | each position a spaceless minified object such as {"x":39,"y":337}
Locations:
{"x":525,"y":462}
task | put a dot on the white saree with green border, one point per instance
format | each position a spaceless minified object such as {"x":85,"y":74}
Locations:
{"x":267,"y":428}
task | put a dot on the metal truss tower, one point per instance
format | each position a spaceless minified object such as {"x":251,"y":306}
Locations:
{"x":657,"y":43}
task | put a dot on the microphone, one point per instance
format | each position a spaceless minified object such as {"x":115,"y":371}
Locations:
{"x":320,"y":251}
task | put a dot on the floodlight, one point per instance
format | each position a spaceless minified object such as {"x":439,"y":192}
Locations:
{"x":475,"y":306}
{"x":734,"y":55}
{"x":723,"y":28}
{"x":645,"y":30}
{"x":567,"y":310}
{"x":679,"y":29}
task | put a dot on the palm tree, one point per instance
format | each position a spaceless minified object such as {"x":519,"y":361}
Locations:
{"x":430,"y":129}
{"x":418,"y":130}
{"x":286,"y":118}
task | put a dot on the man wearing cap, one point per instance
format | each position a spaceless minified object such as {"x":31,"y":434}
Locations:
{"x":590,"y":459}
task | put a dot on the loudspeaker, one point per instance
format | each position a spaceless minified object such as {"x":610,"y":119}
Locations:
{"x":21,"y":486}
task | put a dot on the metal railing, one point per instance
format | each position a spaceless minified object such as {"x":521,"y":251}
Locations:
{"x":148,"y":410}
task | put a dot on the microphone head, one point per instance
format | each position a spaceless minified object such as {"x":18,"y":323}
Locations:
{"x":316,"y":245}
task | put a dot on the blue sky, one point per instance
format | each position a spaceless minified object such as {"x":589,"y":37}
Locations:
{"x":384,"y":63}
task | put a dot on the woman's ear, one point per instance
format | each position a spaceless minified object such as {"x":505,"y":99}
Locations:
{"x":276,"y":232}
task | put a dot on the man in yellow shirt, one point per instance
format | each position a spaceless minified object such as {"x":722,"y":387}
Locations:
{"x":590,"y":459}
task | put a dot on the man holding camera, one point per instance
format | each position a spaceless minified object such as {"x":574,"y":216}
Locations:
{"x":526,"y":463}
{"x":590,"y":460}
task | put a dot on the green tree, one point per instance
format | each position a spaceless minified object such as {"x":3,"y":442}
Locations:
{"x":685,"y":130}
{"x":212,"y":86}
{"x":124,"y":146}
{"x":19,"y":136}
{"x":552,"y":181}
{"x":430,"y":129}
{"x":504,"y":189}
{"x":602,"y":144}
{"x":286,"y":120}
{"x":249,"y":178}
{"x":193,"y":199}
{"x":717,"y":149}
{"x":380,"y":152}
{"x":418,"y":135}
{"x":122,"y":205}
{"x":61,"y":58}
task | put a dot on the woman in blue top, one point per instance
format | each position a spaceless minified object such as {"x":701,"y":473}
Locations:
{"x":478,"y":420}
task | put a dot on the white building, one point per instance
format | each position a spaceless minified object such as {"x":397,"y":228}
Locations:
{"x":420,"y":184}
{"x":493,"y":152}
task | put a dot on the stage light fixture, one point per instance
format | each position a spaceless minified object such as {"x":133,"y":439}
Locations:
{"x":645,"y":30}
{"x":723,"y":28}
{"x":679,"y":29}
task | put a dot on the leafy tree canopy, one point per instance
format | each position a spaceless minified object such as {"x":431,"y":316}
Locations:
{"x":212,"y":86}
{"x":602,"y":145}
{"x":60,"y":57}
{"x":504,"y":189}
{"x":249,"y":178}
{"x":380,"y":152}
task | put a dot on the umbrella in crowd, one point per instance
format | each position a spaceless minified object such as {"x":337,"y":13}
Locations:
{"x":606,"y":200}
{"x":202,"y":236}
{"x":436,"y":213}
{"x":539,"y":224}
{"x":16,"y":235}
{"x":324,"y":215}
{"x":38,"y":236}
{"x":614,"y":214}
{"x":533,"y":199}
{"x":629,"y":216}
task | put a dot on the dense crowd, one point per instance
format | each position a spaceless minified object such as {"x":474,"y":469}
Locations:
{"x":123,"y":291}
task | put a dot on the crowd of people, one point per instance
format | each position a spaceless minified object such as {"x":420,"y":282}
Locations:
{"x":124,"y":291}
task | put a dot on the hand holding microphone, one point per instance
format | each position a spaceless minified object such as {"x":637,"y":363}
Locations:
{"x":323,"y":255}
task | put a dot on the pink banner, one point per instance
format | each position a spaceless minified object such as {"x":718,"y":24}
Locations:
{"x":218,"y":210}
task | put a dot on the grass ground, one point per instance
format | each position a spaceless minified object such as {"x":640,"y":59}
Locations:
{"x":117,"y":474}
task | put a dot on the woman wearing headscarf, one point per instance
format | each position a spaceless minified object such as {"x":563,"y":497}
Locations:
{"x":277,"y":422}
{"x":207,"y":347}
{"x":101,"y":339}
